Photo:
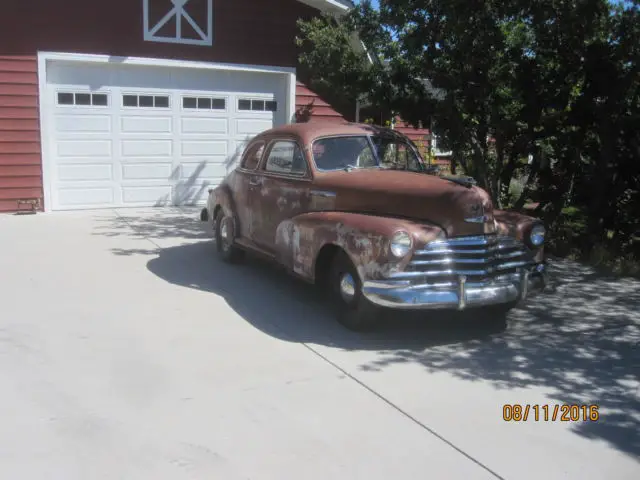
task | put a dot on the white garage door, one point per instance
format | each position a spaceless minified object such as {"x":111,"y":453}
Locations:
{"x":122,"y":135}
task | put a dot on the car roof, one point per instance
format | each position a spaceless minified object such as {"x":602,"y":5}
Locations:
{"x":308,"y":132}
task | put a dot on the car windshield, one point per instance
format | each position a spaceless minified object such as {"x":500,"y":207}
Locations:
{"x":343,"y":153}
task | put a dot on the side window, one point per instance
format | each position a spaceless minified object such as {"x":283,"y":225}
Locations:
{"x":287,"y":158}
{"x":252,"y":156}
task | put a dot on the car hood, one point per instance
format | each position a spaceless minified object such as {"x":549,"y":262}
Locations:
{"x":411,"y":195}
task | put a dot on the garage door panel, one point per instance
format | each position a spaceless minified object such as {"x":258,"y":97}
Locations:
{"x":213,"y":126}
{"x":146,"y":124}
{"x":186,"y":194}
{"x":203,"y":171}
{"x":252,"y":126}
{"x":83,"y":124}
{"x":71,"y":73}
{"x":85,"y":196}
{"x":147,"y":195}
{"x":84,"y":172}
{"x":84,"y":148}
{"x":147,"y":148}
{"x":204,"y":147}
{"x":147,"y":171}
{"x":164,"y":136}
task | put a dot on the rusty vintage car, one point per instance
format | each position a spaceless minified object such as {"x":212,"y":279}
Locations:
{"x":352,"y":208}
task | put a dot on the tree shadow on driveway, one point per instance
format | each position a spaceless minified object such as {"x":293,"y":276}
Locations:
{"x":289,"y":309}
{"x":180,"y":223}
{"x":579,"y":344}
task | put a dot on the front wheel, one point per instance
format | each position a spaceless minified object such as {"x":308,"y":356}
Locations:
{"x":353,"y":310}
{"x":497,"y":315}
{"x":225,"y":233}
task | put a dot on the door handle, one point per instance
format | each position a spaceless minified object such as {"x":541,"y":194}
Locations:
{"x":254,"y":181}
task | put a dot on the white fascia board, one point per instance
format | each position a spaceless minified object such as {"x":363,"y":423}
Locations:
{"x":161,"y":62}
{"x":329,"y":6}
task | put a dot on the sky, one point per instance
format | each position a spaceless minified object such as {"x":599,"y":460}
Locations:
{"x":375,"y":3}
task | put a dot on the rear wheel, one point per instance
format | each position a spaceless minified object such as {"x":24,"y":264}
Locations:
{"x":353,"y":310}
{"x":225,"y":233}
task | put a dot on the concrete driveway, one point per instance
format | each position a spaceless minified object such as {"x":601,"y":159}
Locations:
{"x":127,"y":350}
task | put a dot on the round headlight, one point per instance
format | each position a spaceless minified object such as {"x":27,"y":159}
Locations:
{"x":401,"y":244}
{"x":536,"y":237}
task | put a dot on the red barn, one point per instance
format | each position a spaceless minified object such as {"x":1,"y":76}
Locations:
{"x":141,"y":102}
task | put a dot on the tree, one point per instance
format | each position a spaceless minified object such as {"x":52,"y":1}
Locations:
{"x":331,"y":61}
{"x":552,"y":80}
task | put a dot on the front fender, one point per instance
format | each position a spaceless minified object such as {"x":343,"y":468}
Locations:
{"x":519,"y":226}
{"x":364,"y":238}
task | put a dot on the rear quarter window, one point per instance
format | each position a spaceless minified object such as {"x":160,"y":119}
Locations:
{"x":252,"y":156}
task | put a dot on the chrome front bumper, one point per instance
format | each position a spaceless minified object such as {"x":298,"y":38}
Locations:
{"x":460,"y":295}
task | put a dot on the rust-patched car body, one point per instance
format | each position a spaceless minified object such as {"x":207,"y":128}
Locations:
{"x":355,"y":199}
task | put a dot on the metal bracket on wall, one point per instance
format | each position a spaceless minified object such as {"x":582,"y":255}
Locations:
{"x":34,"y":203}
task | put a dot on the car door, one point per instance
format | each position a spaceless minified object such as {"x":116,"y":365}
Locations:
{"x":285,"y":187}
{"x":246,"y":188}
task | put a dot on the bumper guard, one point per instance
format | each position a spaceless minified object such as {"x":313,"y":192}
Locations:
{"x":458,"y":295}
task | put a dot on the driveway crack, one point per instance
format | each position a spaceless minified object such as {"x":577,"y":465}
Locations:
{"x":404,"y":412}
{"x":138,"y":230}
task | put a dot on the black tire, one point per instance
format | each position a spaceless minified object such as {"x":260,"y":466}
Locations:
{"x":497,"y":315}
{"x":354,"y":311}
{"x":229,"y":252}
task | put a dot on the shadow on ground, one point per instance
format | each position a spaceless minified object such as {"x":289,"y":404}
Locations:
{"x":580,"y":344}
{"x":181,"y":223}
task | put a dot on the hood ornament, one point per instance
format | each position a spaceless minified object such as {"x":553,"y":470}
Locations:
{"x":475,"y":213}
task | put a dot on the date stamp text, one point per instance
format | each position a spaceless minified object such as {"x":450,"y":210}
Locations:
{"x":550,"y":413}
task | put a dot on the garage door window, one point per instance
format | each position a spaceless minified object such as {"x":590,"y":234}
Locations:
{"x":204,"y":103}
{"x":246,"y":104}
{"x":146,"y":101}
{"x":83,"y":99}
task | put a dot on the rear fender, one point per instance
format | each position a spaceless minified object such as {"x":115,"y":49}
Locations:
{"x":221,"y":197}
{"x":364,"y":238}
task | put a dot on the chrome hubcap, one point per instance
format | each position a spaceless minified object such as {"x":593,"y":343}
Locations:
{"x":224,"y":230}
{"x":225,"y":234}
{"x":347,"y":287}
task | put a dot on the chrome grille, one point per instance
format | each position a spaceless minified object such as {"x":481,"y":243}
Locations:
{"x":479,"y":258}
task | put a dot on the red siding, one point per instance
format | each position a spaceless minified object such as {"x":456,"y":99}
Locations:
{"x":24,"y":159}
{"x":7,"y":124}
{"x":19,"y":170}
{"x":17,"y":89}
{"x":311,"y":108}
{"x":20,"y":164}
{"x":256,"y":32}
{"x":18,"y":101}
